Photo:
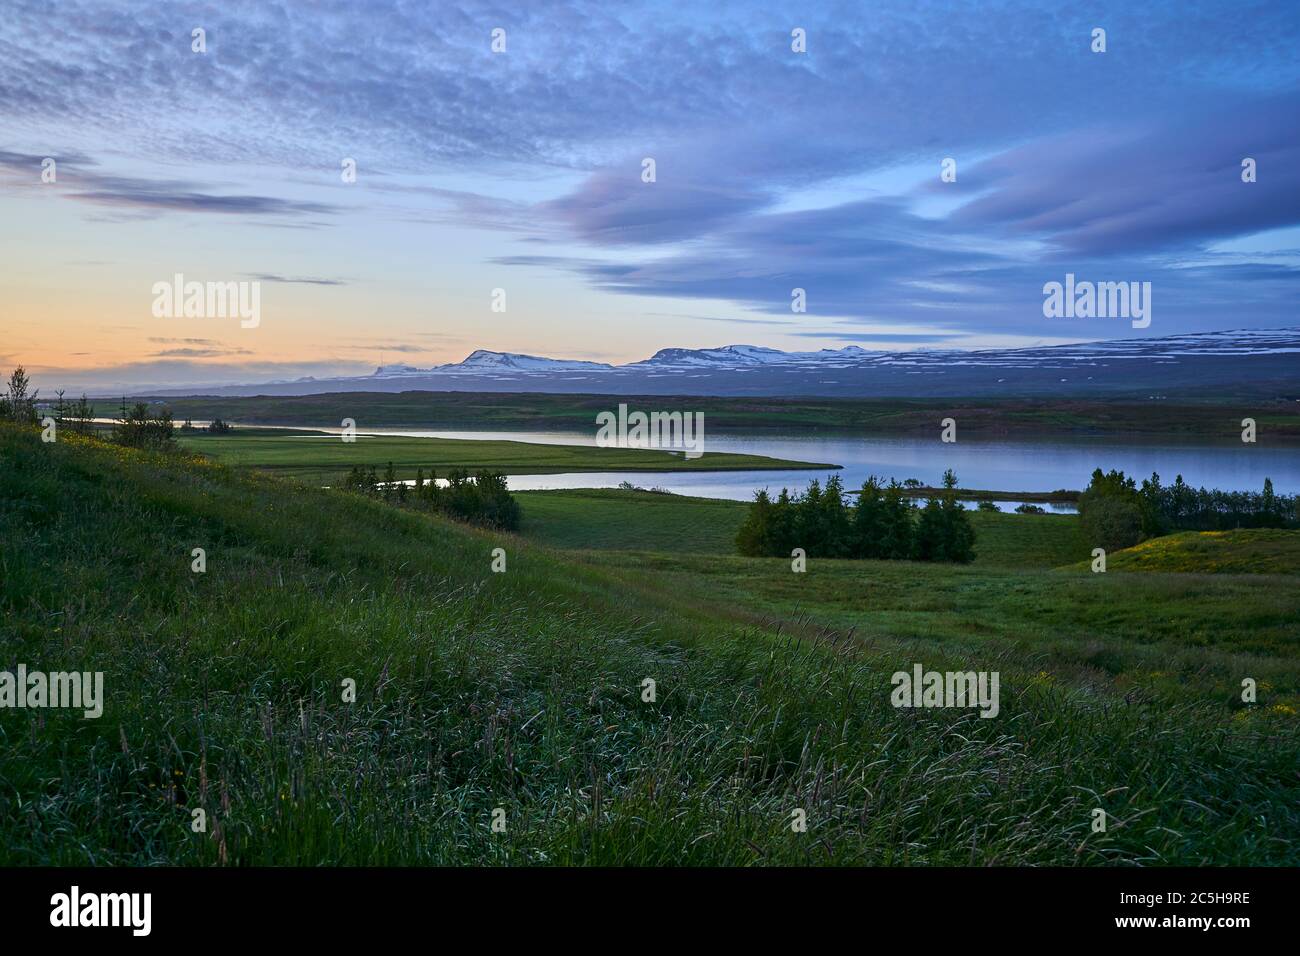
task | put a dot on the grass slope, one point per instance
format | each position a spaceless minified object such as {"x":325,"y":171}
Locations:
{"x":1241,"y":551}
{"x":322,"y":458}
{"x":522,"y":691}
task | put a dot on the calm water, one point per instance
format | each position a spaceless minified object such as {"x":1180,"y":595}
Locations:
{"x":998,"y":465}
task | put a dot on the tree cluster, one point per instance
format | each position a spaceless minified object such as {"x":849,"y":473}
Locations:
{"x":883,"y":524}
{"x":1116,"y":512}
{"x":482,"y":499}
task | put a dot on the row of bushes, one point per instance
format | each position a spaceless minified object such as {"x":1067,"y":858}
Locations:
{"x":482,"y":499}
{"x":214,"y":427}
{"x":1115,"y":512}
{"x":883,"y":524}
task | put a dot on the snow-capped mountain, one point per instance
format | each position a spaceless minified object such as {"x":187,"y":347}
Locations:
{"x":740,"y":356}
{"x":1228,"y":343}
{"x":1263,"y":362}
{"x":486,"y":360}
{"x":729,"y":356}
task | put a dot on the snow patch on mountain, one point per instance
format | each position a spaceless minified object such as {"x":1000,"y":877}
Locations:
{"x":741,"y":357}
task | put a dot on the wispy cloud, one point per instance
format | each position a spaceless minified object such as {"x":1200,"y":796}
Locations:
{"x":774,"y":170}
{"x":190,"y":352}
{"x":150,"y":196}
{"x":293,"y":280}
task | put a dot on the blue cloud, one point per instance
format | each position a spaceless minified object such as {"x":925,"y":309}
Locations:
{"x":774,"y":169}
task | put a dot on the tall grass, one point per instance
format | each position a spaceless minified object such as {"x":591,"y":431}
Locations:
{"x":522,"y":691}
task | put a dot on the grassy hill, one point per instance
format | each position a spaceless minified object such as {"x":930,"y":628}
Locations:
{"x":523,"y":691}
{"x":1240,"y":551}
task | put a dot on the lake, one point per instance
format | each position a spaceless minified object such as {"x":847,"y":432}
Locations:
{"x":993,"y":465}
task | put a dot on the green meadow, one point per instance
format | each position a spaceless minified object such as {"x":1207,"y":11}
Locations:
{"x":525,"y":691}
{"x":1030,"y":590}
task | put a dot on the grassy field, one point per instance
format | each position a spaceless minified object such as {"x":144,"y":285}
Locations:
{"x":1058,"y":418}
{"x":523,"y":691}
{"x":324,"y":458}
{"x":604,"y":519}
{"x":1025,"y":592}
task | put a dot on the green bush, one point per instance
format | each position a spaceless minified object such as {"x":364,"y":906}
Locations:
{"x":142,"y":428}
{"x":1112,"y":523}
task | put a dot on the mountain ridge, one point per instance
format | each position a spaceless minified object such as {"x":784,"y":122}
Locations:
{"x":1280,"y":341}
{"x":1264,"y":362}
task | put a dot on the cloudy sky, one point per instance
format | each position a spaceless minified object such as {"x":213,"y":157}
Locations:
{"x":522,"y":170}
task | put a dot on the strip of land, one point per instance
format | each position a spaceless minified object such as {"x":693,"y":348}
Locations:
{"x":321,"y":457}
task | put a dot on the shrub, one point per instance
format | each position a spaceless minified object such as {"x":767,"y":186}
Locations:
{"x":1110,"y":522}
{"x":142,"y":428}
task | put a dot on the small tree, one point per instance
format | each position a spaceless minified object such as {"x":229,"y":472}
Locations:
{"x":927,"y":543}
{"x":958,"y":534}
{"x":754,"y":538}
{"x":896,"y":523}
{"x":17,"y":405}
{"x":82,"y":416}
{"x":869,"y":521}
{"x":836,"y":529}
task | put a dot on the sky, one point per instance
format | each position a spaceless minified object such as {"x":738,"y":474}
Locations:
{"x":523,"y":170}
